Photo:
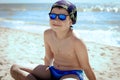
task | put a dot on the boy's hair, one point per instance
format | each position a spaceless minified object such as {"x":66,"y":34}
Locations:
{"x":71,"y":9}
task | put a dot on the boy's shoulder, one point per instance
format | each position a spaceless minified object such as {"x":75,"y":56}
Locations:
{"x":79,"y":45}
{"x":47,"y":31}
{"x":78,"y":41}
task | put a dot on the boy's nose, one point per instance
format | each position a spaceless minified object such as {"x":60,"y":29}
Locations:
{"x":57,"y":18}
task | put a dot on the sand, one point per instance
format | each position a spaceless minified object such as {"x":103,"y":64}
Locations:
{"x":17,"y":46}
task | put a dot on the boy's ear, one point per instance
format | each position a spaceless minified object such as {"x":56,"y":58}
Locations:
{"x":70,"y":22}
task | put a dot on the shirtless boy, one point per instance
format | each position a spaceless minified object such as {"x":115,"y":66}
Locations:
{"x":66,"y":56}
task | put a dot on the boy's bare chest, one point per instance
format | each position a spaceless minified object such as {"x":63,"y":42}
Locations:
{"x":64,"y":46}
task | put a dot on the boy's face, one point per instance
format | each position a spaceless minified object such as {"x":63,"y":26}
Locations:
{"x":60,"y":24}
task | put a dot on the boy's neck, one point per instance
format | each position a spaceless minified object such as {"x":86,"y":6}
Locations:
{"x":63,"y":34}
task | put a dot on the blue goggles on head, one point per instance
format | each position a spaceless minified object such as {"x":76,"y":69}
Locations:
{"x":53,"y":16}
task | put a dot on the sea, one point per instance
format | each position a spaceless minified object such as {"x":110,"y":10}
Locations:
{"x":96,"y":22}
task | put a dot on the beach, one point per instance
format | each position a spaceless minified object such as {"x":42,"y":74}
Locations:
{"x":22,"y":47}
{"x":15,"y":47}
{"x":98,"y":25}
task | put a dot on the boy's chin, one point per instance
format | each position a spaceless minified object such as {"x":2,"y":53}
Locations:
{"x":56,"y":29}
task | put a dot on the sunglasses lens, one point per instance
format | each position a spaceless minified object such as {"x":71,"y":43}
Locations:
{"x":52,"y":16}
{"x":62,"y":17}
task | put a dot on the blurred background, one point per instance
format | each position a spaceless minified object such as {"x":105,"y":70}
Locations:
{"x":97,"y":21}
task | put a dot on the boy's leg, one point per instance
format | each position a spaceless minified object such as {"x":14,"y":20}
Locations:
{"x":30,"y":73}
{"x":70,"y":77}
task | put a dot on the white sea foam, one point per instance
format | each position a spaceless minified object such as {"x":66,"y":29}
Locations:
{"x":11,"y":21}
{"x":99,"y":36}
{"x":99,"y":9}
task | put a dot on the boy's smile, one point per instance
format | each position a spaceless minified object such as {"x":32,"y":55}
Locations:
{"x":56,"y":25}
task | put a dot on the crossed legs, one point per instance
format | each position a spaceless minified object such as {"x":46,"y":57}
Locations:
{"x":39,"y":72}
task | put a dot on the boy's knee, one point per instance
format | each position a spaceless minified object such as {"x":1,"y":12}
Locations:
{"x":70,"y":77}
{"x":14,"y":68}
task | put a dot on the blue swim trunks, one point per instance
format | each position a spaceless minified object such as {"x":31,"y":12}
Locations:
{"x":57,"y":74}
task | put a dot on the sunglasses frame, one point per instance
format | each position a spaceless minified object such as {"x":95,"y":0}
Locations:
{"x":58,"y":15}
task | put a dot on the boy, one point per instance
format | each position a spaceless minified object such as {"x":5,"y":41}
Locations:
{"x":65,"y":55}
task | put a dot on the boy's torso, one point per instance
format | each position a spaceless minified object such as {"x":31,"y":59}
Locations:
{"x":64,"y":53}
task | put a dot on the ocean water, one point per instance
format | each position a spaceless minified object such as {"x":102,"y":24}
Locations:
{"x":96,"y":22}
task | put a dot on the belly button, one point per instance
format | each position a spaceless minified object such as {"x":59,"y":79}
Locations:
{"x":58,"y":66}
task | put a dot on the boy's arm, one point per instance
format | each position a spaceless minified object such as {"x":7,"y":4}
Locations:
{"x":48,"y":53}
{"x":82,"y":55}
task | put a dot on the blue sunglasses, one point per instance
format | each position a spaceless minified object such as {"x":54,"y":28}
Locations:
{"x":61,"y":17}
